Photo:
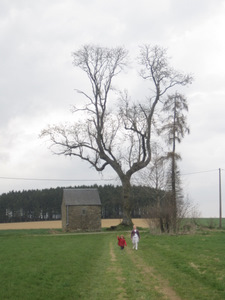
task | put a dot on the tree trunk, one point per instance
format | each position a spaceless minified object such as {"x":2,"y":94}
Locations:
{"x":173,"y":195}
{"x":126,"y":202}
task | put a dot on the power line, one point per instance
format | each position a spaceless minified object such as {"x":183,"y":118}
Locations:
{"x":53,"y":179}
{"x":108,"y":179}
{"x":200,"y":172}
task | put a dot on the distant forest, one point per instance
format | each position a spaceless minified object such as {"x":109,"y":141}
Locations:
{"x":37,"y":205}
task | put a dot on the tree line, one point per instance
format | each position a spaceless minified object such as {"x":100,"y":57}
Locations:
{"x":39,"y":205}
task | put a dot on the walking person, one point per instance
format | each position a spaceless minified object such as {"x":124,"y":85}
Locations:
{"x":121,"y":242}
{"x":135,"y":237}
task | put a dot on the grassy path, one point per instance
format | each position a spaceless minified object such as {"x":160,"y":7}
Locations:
{"x":123,"y":274}
{"x":135,"y":279}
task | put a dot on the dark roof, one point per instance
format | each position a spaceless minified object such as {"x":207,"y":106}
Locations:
{"x":81,"y":197}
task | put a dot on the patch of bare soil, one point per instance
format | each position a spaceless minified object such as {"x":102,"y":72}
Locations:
{"x":112,"y":254}
{"x":194,"y":266}
{"x":162,"y":285}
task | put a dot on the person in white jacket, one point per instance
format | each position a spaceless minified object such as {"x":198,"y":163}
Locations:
{"x":135,"y":237}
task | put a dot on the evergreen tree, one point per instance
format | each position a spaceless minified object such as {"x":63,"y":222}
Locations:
{"x":174,"y":129}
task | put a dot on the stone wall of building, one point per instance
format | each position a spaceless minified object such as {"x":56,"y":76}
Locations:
{"x":63,"y":214}
{"x":82,"y":218}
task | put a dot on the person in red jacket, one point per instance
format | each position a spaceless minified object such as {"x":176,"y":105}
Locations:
{"x":121,"y":242}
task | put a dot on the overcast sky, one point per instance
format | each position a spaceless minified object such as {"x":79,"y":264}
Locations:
{"x":38,"y":82}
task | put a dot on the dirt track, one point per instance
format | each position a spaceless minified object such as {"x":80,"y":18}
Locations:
{"x":58,"y":224}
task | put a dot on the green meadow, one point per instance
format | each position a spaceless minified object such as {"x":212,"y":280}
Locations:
{"x":38,"y":264}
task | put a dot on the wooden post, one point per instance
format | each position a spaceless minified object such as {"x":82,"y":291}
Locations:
{"x":220,"y":199}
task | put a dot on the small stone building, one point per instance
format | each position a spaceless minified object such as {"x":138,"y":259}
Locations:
{"x":81,"y":210}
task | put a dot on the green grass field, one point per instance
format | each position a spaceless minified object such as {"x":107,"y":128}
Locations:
{"x":35,"y":264}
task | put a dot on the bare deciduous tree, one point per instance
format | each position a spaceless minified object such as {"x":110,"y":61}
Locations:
{"x":115,"y":135}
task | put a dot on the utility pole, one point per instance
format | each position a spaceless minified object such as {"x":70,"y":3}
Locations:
{"x":220,"y":198}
